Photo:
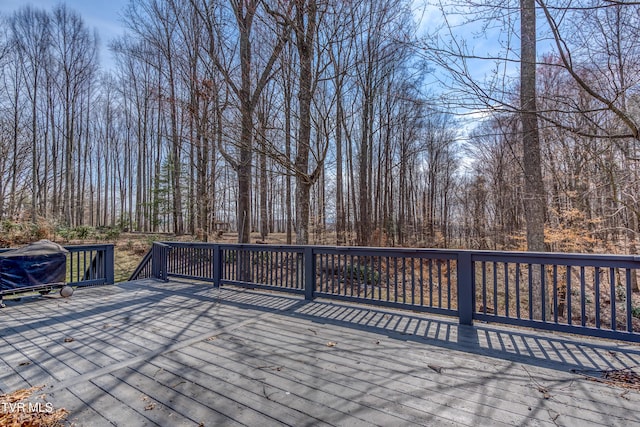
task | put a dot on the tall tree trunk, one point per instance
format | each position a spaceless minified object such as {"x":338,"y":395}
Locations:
{"x":264,"y":218}
{"x":534,"y":196}
{"x":244,"y":166}
{"x":363,"y":228}
{"x":340,"y":212}
{"x":305,"y":35}
{"x":287,"y":142}
{"x":34,"y":150}
{"x":176,"y":149}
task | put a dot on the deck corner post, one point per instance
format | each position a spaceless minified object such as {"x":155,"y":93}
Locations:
{"x":165,"y":262}
{"x":155,"y":260}
{"x":159,"y":258}
{"x":109,"y":265}
{"x":465,"y":288}
{"x":217,"y":265}
{"x":309,"y":273}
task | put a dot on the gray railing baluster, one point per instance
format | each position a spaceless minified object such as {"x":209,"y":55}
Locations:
{"x":386,"y":276}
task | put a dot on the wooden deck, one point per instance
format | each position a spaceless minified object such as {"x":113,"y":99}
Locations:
{"x":183,"y":353}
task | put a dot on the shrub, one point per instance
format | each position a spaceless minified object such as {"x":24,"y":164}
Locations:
{"x":65,"y":233}
{"x":150,"y":239}
{"x":230,"y":257}
{"x":83,"y":232}
{"x":111,"y":233}
{"x":363,"y":273}
{"x":8,"y":226}
{"x":39,"y":231}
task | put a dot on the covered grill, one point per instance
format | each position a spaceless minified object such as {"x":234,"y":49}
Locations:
{"x":39,"y":266}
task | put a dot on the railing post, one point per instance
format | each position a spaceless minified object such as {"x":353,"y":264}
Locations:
{"x":165,"y":262}
{"x":217,"y":265}
{"x":155,"y":260}
{"x":465,"y":288}
{"x":109,"y":265}
{"x":309,"y":273}
{"x":159,"y":261}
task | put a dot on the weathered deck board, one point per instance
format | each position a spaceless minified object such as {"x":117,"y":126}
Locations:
{"x":459,"y":374}
{"x":182,"y":353}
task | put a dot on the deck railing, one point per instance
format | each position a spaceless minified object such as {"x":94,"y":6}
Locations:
{"x":143,"y":270}
{"x":586,"y":294}
{"x":88,"y":265}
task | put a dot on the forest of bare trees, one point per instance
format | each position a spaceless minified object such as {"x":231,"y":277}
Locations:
{"x":331,"y":121}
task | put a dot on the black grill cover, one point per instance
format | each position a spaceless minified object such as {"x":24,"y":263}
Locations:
{"x":39,"y":263}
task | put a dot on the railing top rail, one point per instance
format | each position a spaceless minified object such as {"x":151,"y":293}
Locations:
{"x":500,"y":256}
{"x":76,"y":248}
{"x":322,"y":248}
{"x":398,"y":252}
{"x":92,"y":247}
{"x":165,"y":244}
{"x":559,"y":258}
{"x":248,"y":246}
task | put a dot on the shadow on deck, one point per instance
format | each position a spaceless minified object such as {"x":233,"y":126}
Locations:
{"x":184,"y":353}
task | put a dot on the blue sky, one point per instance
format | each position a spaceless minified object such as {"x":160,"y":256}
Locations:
{"x":105,"y":17}
{"x":101,"y":15}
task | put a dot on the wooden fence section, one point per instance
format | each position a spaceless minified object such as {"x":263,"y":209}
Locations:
{"x":585,"y":294}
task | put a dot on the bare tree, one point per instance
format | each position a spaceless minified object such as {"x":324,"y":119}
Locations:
{"x":31,"y":35}
{"x":252,"y":80}
{"x":305,"y":31}
{"x":75,"y":50}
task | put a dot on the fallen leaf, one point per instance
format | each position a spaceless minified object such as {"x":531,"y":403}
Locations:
{"x":331,"y":344}
{"x":24,"y":364}
{"x":69,"y":339}
{"x":544,"y":391}
{"x":150,"y":406}
{"x":28,"y":418}
{"x":436,"y":368}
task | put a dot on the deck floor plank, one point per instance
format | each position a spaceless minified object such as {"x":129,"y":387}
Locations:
{"x":184,"y":353}
{"x":374,"y":378}
{"x":115,"y":408}
{"x":331,"y":404}
{"x":502,"y":388}
{"x":460,"y":372}
{"x":160,"y":403}
{"x":228,"y":399}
